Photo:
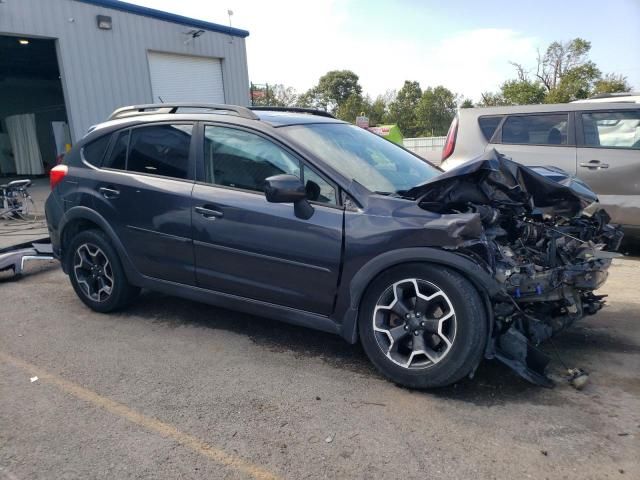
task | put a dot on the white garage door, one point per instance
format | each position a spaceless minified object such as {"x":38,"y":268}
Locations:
{"x":181,"y":78}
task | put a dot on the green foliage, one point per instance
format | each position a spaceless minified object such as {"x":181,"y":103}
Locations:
{"x":435,"y":111}
{"x":377,"y":111}
{"x":352,"y":107}
{"x":403,"y":109}
{"x":564,"y":73}
{"x":611,"y":83}
{"x":490,"y":99}
{"x":522,"y":92}
{"x":559,"y":59}
{"x":276,"y":96}
{"x":467,"y":103}
{"x":333,"y":90}
{"x":576,"y":83}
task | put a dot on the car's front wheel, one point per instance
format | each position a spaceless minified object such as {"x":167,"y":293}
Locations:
{"x":96,"y":273}
{"x":423,"y":325}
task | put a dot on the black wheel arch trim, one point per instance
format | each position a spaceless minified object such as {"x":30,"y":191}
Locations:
{"x":84,"y":213}
{"x":486,"y":285}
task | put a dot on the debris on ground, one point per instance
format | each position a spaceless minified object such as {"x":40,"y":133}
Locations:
{"x":577,"y":378}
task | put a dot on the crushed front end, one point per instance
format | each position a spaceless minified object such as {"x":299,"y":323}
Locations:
{"x":544,"y":241}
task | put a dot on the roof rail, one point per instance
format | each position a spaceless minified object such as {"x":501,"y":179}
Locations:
{"x":163,"y":108}
{"x":615,"y":94}
{"x":311,"y":111}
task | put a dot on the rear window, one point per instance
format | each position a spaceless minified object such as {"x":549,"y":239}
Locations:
{"x":536,"y":129}
{"x":488,"y":125}
{"x":94,"y":151}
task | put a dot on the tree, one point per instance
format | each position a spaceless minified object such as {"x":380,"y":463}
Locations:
{"x":559,"y":59}
{"x":611,"y":83}
{"x":377,"y":111}
{"x":563,"y":73}
{"x":490,"y":99}
{"x":275,"y":96}
{"x":403,"y":109}
{"x":352,"y":107}
{"x":436,"y":109}
{"x":574,"y":84}
{"x":333,"y":90}
{"x":522,"y":92}
{"x":466,"y":103}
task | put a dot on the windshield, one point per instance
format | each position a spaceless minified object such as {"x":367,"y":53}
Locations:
{"x":377,"y":164}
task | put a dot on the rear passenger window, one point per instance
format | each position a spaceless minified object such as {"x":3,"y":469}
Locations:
{"x":612,"y":129}
{"x":536,"y":129}
{"x":160,"y":150}
{"x":94,"y":151}
{"x":488,"y":125}
{"x":117,"y":158}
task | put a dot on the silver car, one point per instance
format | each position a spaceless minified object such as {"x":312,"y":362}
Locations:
{"x":597,"y":142}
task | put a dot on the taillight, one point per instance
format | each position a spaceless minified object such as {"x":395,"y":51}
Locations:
{"x":56,"y":175}
{"x":450,"y":142}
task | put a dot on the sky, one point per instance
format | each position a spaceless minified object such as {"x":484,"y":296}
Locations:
{"x":465,"y":45}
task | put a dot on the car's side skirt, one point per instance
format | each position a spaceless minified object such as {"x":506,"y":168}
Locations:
{"x":242,"y":304}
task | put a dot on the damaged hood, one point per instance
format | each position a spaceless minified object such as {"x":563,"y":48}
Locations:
{"x":494,"y":180}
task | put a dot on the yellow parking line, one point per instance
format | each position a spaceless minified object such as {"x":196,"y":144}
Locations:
{"x":164,"y":429}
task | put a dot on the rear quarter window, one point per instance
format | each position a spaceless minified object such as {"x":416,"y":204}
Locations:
{"x":488,"y":125}
{"x":94,"y":151}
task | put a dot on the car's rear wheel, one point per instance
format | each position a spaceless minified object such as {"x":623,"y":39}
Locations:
{"x":96,"y":272}
{"x":423,"y":325}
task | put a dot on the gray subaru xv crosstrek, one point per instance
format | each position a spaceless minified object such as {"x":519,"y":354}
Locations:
{"x":294,"y":215}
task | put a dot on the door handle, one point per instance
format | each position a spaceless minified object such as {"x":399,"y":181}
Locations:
{"x":594,"y":165}
{"x":109,"y":192}
{"x":209,"y":212}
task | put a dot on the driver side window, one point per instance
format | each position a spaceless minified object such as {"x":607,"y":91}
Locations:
{"x":240,"y":159}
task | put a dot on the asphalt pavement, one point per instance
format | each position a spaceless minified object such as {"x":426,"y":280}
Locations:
{"x":176,"y":389}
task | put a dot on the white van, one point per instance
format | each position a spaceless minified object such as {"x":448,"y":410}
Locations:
{"x":597,"y":142}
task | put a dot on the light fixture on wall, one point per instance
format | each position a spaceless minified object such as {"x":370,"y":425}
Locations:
{"x":192,"y":35}
{"x":23,"y":41}
{"x":104,"y":22}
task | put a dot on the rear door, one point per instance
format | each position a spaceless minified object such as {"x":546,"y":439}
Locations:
{"x":609,"y":160}
{"x":538,"y":139}
{"x":144,"y":191}
{"x":248,"y":247}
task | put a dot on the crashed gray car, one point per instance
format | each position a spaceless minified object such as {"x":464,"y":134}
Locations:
{"x":303,"y":218}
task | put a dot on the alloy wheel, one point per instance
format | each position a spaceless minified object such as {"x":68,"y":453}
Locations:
{"x":414,"y":323}
{"x":93,"y":272}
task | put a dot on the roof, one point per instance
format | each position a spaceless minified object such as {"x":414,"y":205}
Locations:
{"x":547,"y":108}
{"x":166,"y":16}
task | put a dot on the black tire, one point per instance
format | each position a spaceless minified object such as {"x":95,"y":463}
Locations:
{"x":470,"y":331}
{"x":121,"y":293}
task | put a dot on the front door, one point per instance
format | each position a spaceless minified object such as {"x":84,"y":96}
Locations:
{"x":248,"y":247}
{"x":609,"y":161}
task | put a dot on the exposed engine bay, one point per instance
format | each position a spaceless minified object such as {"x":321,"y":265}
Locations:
{"x":541,"y":235}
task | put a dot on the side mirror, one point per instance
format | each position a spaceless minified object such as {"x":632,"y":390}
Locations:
{"x":288,"y":189}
